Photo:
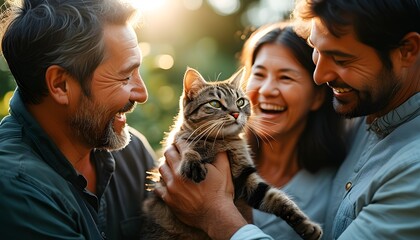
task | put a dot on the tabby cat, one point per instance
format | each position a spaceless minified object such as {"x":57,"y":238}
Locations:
{"x":212,"y":118}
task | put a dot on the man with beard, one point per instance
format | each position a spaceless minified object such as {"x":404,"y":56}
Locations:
{"x":76,"y":64}
{"x":368,"y":53}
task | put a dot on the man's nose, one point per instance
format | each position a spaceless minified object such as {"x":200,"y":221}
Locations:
{"x":138,"y":91}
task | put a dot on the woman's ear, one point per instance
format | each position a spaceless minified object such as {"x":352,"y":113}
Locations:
{"x":410,"y":49}
{"x":57,"y":79}
{"x":319,"y":98}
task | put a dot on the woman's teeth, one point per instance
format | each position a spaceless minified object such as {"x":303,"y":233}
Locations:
{"x":271,"y":107}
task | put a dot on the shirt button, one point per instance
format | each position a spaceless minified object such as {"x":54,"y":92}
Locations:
{"x":348,"y":186}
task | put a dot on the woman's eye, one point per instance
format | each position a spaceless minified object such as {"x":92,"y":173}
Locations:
{"x":285,"y":78}
{"x":215,"y":104}
{"x":258,"y":75}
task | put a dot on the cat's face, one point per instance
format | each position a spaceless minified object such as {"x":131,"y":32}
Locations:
{"x":214,"y":109}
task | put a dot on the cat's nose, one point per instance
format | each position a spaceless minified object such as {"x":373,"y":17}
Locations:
{"x":235,"y":114}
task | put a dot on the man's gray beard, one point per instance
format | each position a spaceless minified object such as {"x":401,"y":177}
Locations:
{"x":88,"y":125}
{"x":113,"y":141}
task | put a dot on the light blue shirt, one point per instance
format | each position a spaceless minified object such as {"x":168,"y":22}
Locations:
{"x":383,"y":170}
{"x":382,"y":175}
{"x":310,"y":192}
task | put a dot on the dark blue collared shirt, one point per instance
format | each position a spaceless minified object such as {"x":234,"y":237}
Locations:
{"x":43,"y":197}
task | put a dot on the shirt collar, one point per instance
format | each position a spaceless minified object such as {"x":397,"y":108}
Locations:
{"x":405,"y":112}
{"x":105,"y":165}
{"x":37,"y":138}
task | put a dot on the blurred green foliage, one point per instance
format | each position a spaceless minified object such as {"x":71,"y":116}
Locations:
{"x":201,"y":38}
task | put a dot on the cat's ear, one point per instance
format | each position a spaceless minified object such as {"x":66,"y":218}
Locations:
{"x":237,"y":78}
{"x":193,"y":81}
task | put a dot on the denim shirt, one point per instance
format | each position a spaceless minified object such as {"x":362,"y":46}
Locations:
{"x":375,"y":194}
{"x":44,"y":197}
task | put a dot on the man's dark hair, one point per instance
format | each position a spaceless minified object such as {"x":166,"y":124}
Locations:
{"x":380,"y":24}
{"x":67,"y":33}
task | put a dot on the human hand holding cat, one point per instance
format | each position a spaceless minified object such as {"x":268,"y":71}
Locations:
{"x":207,"y":205}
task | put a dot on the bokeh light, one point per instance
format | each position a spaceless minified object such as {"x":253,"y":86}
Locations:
{"x":146,"y":48}
{"x":164,"y":61}
{"x":225,"y":7}
{"x":266,"y":11}
{"x":148,"y":5}
{"x":192,"y":4}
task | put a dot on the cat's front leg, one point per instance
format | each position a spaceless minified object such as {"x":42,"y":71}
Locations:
{"x":192,"y":167}
{"x":277,"y":202}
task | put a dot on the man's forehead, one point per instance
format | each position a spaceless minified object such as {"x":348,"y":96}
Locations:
{"x":320,"y":30}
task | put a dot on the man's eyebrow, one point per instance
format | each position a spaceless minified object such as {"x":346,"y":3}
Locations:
{"x":330,"y":52}
{"x":337,"y":53}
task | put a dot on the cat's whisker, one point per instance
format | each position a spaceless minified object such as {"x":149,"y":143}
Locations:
{"x":259,"y":127}
{"x":261,"y":124}
{"x":218,"y":76}
{"x":211,"y":129}
{"x":247,"y":92}
{"x":208,"y":129}
{"x":197,"y":130}
{"x":252,"y":119}
{"x":265,"y":137}
{"x":197,"y":137}
{"x":255,"y":136}
{"x":220,"y":128}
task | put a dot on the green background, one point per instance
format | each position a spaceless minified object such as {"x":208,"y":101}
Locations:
{"x":206,"y":38}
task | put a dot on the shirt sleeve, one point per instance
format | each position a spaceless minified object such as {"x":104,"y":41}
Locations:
{"x":250,"y":232}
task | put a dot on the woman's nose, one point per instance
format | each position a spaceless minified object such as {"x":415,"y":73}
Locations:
{"x":269,"y":87}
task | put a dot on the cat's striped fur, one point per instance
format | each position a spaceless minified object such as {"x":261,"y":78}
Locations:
{"x":212,"y":118}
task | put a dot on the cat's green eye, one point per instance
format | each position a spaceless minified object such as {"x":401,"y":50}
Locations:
{"x":215,"y":104}
{"x":240,"y":102}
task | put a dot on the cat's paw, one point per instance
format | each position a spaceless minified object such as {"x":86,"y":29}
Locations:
{"x":194,"y":170}
{"x":308,"y":230}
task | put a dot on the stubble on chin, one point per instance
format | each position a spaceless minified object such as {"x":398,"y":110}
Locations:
{"x":373,"y":101}
{"x":90,"y":126}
